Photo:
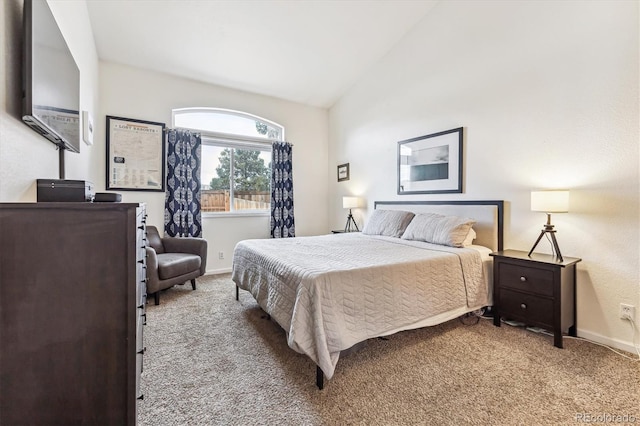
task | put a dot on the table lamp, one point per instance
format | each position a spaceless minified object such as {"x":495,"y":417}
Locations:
{"x":549,"y":202}
{"x":350,"y":203}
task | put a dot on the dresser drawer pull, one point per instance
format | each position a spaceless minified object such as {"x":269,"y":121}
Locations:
{"x":141,"y":307}
{"x":523,"y":279}
{"x":141,"y":351}
{"x":141,"y":261}
{"x":141,"y":397}
{"x":523,"y":306}
{"x":141,"y":227}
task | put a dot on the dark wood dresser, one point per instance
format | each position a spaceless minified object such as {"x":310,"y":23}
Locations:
{"x":538,"y":290}
{"x":72,"y":308}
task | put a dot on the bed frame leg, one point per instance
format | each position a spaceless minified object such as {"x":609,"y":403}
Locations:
{"x":237,"y":293}
{"x":319,"y":378}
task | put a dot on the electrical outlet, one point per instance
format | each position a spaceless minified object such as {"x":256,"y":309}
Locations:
{"x":220,"y":255}
{"x":627,"y":312}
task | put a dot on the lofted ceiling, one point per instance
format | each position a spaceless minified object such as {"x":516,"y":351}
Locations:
{"x":306,"y":51}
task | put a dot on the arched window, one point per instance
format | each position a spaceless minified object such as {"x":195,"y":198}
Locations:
{"x":226,"y":122}
{"x":236,"y":158}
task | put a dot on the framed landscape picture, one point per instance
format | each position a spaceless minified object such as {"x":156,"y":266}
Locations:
{"x":431,"y":164}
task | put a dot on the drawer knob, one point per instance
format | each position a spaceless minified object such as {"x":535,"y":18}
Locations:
{"x":523,"y":306}
{"x":523,"y":279}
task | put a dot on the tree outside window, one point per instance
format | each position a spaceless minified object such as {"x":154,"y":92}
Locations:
{"x":250,"y":173}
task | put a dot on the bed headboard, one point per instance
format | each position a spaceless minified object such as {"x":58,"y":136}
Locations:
{"x":489,"y":216}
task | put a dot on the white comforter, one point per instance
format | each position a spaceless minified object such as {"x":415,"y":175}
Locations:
{"x":331,"y":292}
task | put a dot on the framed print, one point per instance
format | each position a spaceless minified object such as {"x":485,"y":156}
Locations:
{"x":431,"y":164}
{"x":135,"y":154}
{"x":343,"y":172}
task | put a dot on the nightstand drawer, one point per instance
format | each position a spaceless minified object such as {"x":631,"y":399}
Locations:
{"x":526,"y":307}
{"x":529,"y":279}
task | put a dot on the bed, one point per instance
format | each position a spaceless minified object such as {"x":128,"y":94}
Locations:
{"x":415,"y":264}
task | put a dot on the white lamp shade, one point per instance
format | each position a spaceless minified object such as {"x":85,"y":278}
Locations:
{"x":550,"y":201}
{"x":350,"y":202}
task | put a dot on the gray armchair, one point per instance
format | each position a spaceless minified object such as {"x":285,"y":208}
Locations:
{"x":173,"y":260}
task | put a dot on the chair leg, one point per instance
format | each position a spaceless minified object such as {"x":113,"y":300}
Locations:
{"x":193,"y":283}
{"x":156,"y":297}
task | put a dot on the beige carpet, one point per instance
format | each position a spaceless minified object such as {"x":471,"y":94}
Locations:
{"x":213,"y":360}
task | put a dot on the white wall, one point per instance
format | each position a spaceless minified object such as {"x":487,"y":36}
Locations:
{"x":547,"y":93}
{"x":140,"y":94}
{"x":24,"y":155}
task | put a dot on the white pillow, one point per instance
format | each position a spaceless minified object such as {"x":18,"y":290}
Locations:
{"x":390,"y":223}
{"x":471,"y":235}
{"x":437,"y":229}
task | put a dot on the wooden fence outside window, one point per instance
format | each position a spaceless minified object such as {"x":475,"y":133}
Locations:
{"x":219,"y":200}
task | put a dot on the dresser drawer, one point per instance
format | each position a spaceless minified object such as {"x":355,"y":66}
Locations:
{"x":139,"y":394}
{"x":141,"y":285}
{"x":529,"y":279}
{"x":526,"y":307}
{"x":140,"y":331}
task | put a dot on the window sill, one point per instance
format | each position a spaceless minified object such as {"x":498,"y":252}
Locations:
{"x":222,"y":215}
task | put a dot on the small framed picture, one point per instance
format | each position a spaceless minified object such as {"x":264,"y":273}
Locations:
{"x":343,"y":172}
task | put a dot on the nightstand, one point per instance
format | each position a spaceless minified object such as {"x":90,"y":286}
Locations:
{"x":537,"y":290}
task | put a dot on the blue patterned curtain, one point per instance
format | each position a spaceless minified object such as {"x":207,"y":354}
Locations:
{"x":282,"y":224}
{"x":182,"y":215}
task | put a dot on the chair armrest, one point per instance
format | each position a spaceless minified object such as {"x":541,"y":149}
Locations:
{"x":192,"y":245}
{"x":153,"y":281}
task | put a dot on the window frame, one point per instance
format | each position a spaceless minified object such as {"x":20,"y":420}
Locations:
{"x":230,"y":140}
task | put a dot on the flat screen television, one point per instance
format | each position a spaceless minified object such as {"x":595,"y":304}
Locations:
{"x":51,"y":80}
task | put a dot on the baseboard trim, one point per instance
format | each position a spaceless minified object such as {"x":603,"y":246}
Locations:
{"x":218,"y":271}
{"x":614,"y":343}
